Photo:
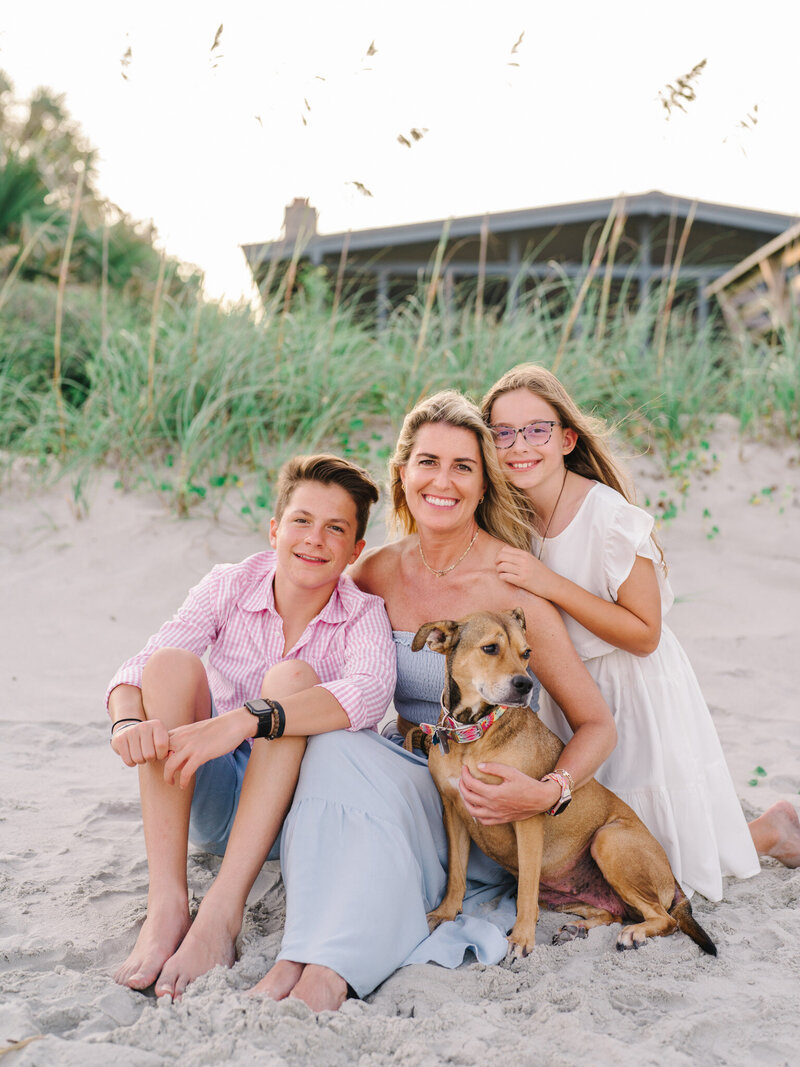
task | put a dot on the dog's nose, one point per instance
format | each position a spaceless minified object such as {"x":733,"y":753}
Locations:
{"x":522,"y":684}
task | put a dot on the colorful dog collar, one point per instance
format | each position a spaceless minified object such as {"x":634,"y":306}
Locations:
{"x":462,"y":733}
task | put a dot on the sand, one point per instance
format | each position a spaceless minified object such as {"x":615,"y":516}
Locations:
{"x":80,"y":594}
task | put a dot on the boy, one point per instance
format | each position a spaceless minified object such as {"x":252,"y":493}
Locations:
{"x":295,"y":649}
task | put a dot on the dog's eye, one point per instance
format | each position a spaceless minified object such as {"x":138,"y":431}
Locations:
{"x":490,"y":650}
{"x":526,"y":654}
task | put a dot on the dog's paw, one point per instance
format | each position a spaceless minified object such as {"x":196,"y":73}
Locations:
{"x":436,"y":918}
{"x":570,"y":932}
{"x":518,"y":950}
{"x":630,"y":937}
{"x":521,"y":941}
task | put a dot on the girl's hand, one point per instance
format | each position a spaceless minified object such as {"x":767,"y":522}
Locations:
{"x":144,"y":743}
{"x":193,"y":745}
{"x":516,"y":797}
{"x":524,"y":570}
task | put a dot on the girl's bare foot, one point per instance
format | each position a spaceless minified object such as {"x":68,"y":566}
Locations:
{"x":163,"y":931}
{"x":321,"y":988}
{"x":776,"y":833}
{"x":279,"y":980}
{"x":209,"y":943}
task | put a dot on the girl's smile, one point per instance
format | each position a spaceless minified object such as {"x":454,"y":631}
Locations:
{"x":535,"y":469}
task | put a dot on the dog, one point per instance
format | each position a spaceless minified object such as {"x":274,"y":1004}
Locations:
{"x":596,"y":859}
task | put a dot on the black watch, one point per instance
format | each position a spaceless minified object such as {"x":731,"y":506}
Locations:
{"x":262,"y":710}
{"x":271,"y":717}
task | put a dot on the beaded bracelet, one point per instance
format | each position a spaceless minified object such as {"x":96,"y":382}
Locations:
{"x":567,"y":775}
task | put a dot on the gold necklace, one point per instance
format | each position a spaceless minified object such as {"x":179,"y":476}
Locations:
{"x":552,"y":513}
{"x":441,"y":574}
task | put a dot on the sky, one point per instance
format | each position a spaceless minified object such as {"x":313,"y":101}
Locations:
{"x":520,"y":104}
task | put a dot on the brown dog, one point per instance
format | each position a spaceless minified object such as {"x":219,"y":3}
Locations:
{"x":596,"y":859}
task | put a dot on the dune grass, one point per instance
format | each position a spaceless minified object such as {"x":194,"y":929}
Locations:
{"x":198,"y":400}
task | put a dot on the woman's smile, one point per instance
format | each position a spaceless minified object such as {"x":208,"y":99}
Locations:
{"x":444,"y":474}
{"x":439,"y":501}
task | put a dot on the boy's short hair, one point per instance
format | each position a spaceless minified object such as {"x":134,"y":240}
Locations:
{"x":328,"y":469}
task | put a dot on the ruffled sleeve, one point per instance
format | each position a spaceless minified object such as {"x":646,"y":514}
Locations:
{"x":629,"y":535}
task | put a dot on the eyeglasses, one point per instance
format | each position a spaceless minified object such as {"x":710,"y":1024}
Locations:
{"x":535,"y":433}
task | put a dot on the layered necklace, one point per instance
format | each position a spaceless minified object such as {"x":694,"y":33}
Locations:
{"x":441,"y":574}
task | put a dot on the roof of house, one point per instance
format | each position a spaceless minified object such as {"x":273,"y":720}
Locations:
{"x":654,"y":204}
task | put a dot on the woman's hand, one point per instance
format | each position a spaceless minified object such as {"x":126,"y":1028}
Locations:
{"x":144,"y":743}
{"x":516,"y":797}
{"x":524,"y":570}
{"x":193,"y":745}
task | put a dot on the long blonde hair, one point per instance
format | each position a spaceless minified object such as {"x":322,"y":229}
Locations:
{"x":592,"y":456}
{"x":504,"y":511}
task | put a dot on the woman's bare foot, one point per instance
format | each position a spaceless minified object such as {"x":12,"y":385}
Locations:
{"x":279,"y":980}
{"x":321,"y":988}
{"x":776,"y":833}
{"x":210,"y":942}
{"x":162,"y":933}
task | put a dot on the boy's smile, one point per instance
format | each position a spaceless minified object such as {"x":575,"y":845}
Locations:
{"x":315,"y":538}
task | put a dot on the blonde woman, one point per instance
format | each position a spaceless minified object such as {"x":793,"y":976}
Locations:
{"x":364,"y":852}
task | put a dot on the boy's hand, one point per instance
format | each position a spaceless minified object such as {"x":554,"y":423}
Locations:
{"x":145,"y":743}
{"x":524,"y":570}
{"x":193,"y":745}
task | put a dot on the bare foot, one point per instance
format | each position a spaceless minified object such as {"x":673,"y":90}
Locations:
{"x":209,"y":943}
{"x":321,"y":988}
{"x":160,"y":936}
{"x":279,"y":980}
{"x":776,"y":833}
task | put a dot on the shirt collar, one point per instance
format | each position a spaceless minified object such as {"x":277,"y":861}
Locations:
{"x":261,"y":597}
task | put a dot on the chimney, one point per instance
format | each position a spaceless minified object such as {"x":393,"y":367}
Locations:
{"x":299,"y":220}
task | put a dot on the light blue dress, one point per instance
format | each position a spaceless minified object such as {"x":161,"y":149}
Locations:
{"x":364,"y":852}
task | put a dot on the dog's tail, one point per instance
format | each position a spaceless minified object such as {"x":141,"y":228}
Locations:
{"x":681,"y":911}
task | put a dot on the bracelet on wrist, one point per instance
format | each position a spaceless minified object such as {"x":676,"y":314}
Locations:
{"x":271,"y":718}
{"x":571,"y":781}
{"x":119,"y":722}
{"x":278,"y":720}
{"x":562,"y":782}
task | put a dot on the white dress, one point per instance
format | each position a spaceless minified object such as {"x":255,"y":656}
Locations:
{"x":668,"y":764}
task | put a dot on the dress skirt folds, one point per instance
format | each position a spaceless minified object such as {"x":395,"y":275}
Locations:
{"x":364,"y":858}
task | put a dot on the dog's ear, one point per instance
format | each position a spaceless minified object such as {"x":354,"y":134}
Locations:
{"x":438,"y":636}
{"x":519,"y":615}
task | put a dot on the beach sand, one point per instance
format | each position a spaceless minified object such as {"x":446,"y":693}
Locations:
{"x":81,"y":594}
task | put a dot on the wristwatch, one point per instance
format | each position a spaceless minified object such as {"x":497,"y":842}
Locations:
{"x":566,"y":795}
{"x":271,"y":718}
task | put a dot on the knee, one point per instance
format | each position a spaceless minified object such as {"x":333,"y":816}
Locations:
{"x":289,"y":677}
{"x":167,"y":663}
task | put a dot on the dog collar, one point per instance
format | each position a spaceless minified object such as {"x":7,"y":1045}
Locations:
{"x":462,"y":733}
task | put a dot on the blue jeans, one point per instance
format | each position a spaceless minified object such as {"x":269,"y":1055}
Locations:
{"x":217,"y":787}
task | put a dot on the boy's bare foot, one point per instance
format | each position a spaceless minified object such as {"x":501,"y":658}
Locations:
{"x":776,"y":833}
{"x":158,"y":939}
{"x":209,"y":943}
{"x":321,"y":988}
{"x":279,"y":980}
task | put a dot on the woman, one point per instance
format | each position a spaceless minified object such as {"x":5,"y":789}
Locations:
{"x":366,"y":816}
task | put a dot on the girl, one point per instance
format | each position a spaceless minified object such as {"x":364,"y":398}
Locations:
{"x":595,"y":558}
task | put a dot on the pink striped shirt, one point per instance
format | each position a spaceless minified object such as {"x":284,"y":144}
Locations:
{"x":232,"y":613}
